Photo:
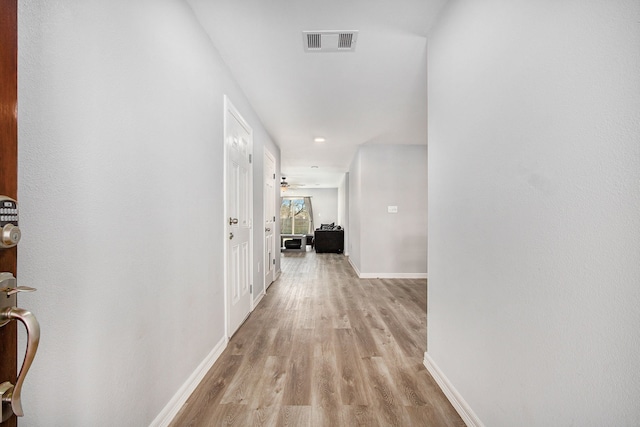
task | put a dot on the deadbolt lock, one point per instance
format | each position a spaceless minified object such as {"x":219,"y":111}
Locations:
{"x":10,"y":236}
{"x":9,"y":231}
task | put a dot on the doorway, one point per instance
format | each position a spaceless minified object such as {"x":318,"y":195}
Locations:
{"x":238,"y":146}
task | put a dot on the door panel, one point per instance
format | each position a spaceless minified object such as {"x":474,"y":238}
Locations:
{"x":243,"y":189}
{"x":8,"y":169}
{"x":243,"y":283}
{"x":238,"y":219}
{"x":234,"y":270}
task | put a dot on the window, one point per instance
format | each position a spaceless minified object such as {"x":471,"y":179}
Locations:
{"x":296,"y":215}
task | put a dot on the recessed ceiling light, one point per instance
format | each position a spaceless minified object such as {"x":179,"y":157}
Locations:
{"x":314,"y":167}
{"x":319,"y":139}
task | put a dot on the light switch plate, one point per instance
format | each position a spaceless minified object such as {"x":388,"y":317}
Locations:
{"x":392,"y":209}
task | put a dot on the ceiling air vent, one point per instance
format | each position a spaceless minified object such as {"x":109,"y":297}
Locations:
{"x":329,"y":41}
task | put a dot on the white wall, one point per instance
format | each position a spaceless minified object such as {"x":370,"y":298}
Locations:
{"x":120,"y":184}
{"x":343,"y":209}
{"x":324,"y":202}
{"x":355,"y":216}
{"x":392,"y":244}
{"x":534,"y":241}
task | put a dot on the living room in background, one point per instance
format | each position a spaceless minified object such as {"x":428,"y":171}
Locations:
{"x":296,"y":215}
{"x":296,"y":223}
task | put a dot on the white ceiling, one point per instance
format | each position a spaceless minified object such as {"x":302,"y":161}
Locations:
{"x":374,"y":95}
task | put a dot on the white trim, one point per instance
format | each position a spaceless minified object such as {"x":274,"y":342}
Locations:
{"x":386,"y":275}
{"x":257,"y":301}
{"x":393,"y":275}
{"x":354,"y":267}
{"x":276,"y":276}
{"x":460,"y":405}
{"x":225,"y":207}
{"x":272,"y":158}
{"x":172,"y":408}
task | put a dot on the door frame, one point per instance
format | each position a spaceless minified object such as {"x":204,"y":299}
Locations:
{"x":230,"y":109}
{"x":9,"y":170}
{"x":276,"y":236}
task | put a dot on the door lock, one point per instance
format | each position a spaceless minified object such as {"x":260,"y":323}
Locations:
{"x":9,"y":230}
{"x":230,"y":236}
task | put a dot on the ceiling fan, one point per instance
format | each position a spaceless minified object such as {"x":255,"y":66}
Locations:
{"x":284,"y":185}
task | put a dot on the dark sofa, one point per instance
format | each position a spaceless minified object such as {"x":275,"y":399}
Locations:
{"x":329,"y":240}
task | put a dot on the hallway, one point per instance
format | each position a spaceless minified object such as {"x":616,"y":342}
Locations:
{"x":324,"y":348}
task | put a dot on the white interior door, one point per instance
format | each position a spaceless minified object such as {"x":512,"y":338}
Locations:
{"x":269,"y":218}
{"x":239,"y":196}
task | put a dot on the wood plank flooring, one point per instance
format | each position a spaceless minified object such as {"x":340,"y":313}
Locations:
{"x":324,"y":348}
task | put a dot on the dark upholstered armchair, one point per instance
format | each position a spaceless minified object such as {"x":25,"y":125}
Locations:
{"x":329,"y":241}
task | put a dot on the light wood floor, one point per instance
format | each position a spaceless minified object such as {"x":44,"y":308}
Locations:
{"x":324,"y":348}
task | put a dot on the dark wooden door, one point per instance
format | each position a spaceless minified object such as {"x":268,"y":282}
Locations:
{"x":8,"y":168}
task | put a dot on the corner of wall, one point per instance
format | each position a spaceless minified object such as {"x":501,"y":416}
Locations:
{"x":457,"y":401}
{"x":355,"y":268}
{"x":174,"y":405}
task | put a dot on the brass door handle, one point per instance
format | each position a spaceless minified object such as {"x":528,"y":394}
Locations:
{"x":233,"y":221}
{"x":267,"y":229}
{"x":11,"y":395}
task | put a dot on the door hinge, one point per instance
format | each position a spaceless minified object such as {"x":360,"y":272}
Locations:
{"x":250,"y":157}
{"x":274,"y":219}
{"x":274,"y":261}
{"x":274,"y":176}
{"x":251,"y":289}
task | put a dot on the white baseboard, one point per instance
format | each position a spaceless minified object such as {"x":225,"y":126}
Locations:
{"x":276,"y":276}
{"x":257,"y":300}
{"x":172,"y":408}
{"x":393,"y":275}
{"x":461,"y":406}
{"x":354,"y":267}
{"x":386,"y":275}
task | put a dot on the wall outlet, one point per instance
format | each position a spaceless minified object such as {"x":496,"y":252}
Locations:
{"x":392,"y":209}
